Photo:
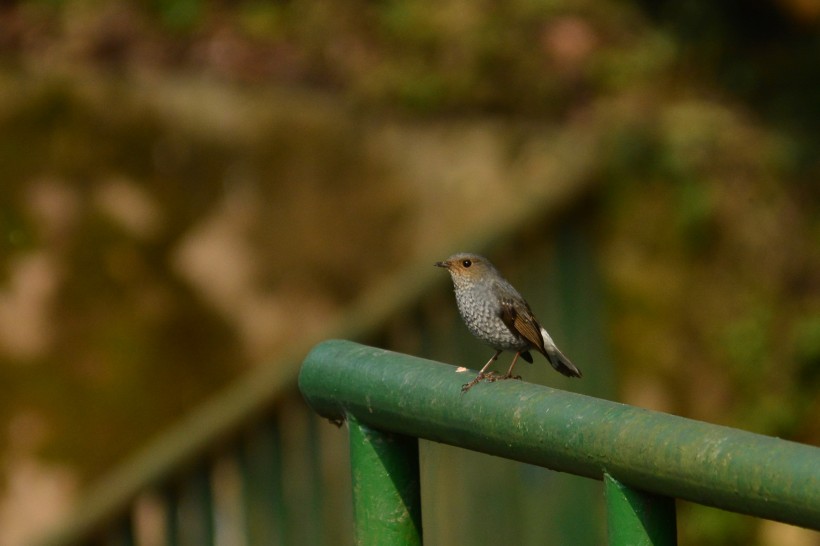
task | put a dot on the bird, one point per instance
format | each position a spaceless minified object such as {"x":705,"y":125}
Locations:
{"x":496,"y":313}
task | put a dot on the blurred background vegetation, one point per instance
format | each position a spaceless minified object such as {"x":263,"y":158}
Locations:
{"x":188,"y":186}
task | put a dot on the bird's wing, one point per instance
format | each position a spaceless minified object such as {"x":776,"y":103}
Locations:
{"x":519,"y":319}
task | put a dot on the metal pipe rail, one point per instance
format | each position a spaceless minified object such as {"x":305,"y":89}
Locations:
{"x":645,"y":458}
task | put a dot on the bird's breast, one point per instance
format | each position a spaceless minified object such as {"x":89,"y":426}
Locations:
{"x":481,"y":312}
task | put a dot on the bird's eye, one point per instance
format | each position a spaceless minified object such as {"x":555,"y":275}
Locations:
{"x":466,"y":263}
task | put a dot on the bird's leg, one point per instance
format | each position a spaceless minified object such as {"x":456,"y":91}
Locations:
{"x":481,"y":375}
{"x":509,"y":374}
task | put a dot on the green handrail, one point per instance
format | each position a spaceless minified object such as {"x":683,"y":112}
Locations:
{"x":647,"y":452}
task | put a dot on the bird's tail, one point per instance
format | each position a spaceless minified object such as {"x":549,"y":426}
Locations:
{"x":557,"y":359}
{"x":562,"y":363}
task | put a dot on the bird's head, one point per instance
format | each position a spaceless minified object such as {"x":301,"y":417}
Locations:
{"x":464,"y":267}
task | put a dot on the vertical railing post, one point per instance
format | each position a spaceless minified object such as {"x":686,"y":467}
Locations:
{"x":194,"y":507}
{"x":122,"y":533}
{"x":262,"y":490}
{"x":170,"y":495}
{"x":637,"y":518}
{"x":386,"y":492}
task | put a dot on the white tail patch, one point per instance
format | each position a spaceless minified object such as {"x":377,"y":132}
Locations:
{"x":547,"y":339}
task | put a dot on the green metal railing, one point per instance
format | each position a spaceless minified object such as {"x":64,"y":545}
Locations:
{"x":646,"y":459}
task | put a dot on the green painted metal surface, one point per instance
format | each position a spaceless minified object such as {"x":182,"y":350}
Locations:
{"x":637,"y":518}
{"x":664,"y":454}
{"x":386,"y":492}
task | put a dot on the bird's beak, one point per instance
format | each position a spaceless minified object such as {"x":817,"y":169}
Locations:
{"x":440,"y":264}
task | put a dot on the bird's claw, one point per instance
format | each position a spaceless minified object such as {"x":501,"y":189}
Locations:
{"x":489,"y":377}
{"x":467,"y":386}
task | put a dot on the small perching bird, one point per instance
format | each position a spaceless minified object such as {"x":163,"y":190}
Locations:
{"x":498,"y":315}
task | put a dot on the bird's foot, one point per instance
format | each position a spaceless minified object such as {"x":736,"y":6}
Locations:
{"x":489,"y":377}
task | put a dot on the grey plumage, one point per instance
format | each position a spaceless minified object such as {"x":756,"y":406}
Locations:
{"x":497,"y":314}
